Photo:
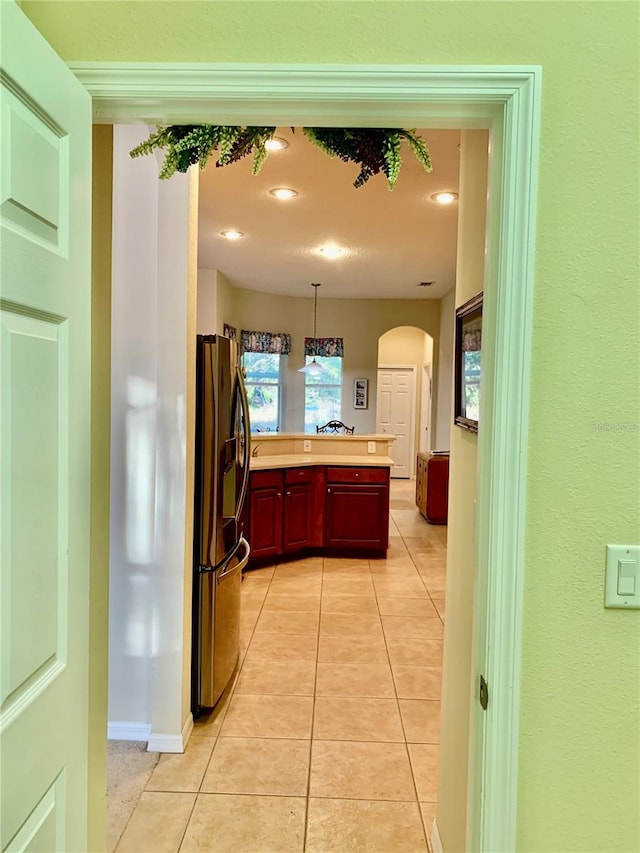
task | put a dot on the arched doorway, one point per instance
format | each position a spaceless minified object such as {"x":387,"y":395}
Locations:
{"x":404,"y":394}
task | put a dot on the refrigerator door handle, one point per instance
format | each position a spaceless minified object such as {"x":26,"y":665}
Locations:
{"x":246,"y":442}
{"x":224,"y":569}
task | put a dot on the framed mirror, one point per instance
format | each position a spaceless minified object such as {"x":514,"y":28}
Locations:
{"x":468,"y":366}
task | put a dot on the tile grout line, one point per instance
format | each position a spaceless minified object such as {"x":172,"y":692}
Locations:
{"x":402,"y":723}
{"x":229,"y":699}
{"x":420,"y":811}
{"x":313,"y":719}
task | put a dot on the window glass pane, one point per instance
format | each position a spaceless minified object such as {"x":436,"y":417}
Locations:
{"x":262,"y":382}
{"x":261,"y":366}
{"x":323,"y":393}
{"x":331,"y":370}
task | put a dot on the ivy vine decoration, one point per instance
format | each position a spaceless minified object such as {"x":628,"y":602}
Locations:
{"x":374,"y":150}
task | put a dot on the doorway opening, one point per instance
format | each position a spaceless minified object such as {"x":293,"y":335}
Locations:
{"x":479,"y":97}
{"x":404,"y":394}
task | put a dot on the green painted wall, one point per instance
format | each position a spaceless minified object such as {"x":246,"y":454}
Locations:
{"x":579,"y":755}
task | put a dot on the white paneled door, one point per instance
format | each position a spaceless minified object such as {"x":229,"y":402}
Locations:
{"x":45,"y":214}
{"x":395,"y":413}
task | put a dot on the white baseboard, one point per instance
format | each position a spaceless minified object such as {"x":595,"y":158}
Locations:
{"x":186,"y":731}
{"x":171,"y":743}
{"x":128,"y":731}
{"x":434,"y":839}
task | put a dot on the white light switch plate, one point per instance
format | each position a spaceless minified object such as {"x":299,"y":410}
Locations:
{"x":622,"y":577}
{"x":306,"y":447}
{"x":371,"y":447}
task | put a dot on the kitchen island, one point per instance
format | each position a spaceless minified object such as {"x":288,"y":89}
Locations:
{"x":318,"y":494}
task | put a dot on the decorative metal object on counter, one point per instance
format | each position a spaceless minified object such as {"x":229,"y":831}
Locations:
{"x":335,"y":427}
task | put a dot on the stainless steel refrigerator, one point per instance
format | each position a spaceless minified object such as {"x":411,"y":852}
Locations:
{"x":220,"y":549}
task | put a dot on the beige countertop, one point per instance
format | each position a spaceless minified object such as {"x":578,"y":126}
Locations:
{"x":298,"y":460}
{"x":327,"y":436}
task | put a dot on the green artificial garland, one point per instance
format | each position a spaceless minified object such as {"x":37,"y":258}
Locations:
{"x":374,"y":150}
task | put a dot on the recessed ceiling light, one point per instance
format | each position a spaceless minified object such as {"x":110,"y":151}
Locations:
{"x":231,"y":235}
{"x":331,"y":251}
{"x":276,"y":143}
{"x":283,"y":192}
{"x":444,"y":197}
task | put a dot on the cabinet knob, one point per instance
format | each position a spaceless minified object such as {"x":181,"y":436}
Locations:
{"x":357,"y":475}
{"x":287,"y":493}
{"x":328,"y":491}
{"x":278,"y":495}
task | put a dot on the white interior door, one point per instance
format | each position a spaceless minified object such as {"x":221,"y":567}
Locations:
{"x":45,"y":215}
{"x":395,"y":413}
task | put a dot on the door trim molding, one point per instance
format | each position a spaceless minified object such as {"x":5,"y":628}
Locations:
{"x":506,"y":100}
{"x":426,"y":393}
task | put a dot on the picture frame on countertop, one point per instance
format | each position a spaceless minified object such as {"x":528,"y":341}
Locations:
{"x":468,"y":364}
{"x":361,"y":393}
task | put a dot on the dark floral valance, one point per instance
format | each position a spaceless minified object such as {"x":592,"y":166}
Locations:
{"x":230,"y":332}
{"x":471,"y":340}
{"x":324,"y":346}
{"x":272,"y":342}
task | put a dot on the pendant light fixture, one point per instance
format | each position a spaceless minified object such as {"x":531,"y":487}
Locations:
{"x":313,"y":367}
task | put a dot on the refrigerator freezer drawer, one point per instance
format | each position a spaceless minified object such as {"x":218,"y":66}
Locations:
{"x":219,"y":628}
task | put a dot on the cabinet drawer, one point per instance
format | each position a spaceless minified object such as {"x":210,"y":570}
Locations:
{"x":297,"y":475}
{"x":266,"y":479}
{"x":357,"y":475}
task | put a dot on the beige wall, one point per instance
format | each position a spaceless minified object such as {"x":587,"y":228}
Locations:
{"x":214,"y":300}
{"x":403,"y":345}
{"x":444,"y":384}
{"x":99,"y":541}
{"x":360,"y":322}
{"x":461,"y":552}
{"x":206,"y":302}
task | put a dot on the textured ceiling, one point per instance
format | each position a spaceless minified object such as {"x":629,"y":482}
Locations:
{"x":394,"y":239}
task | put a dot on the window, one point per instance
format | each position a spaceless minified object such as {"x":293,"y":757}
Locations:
{"x":323,"y":392}
{"x":263,"y":384}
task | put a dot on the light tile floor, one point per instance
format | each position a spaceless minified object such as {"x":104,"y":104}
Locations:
{"x":328,"y":740}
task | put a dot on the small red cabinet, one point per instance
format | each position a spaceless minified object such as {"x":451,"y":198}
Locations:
{"x":432,"y":486}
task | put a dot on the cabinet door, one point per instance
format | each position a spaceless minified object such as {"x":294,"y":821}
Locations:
{"x":437,"y":487}
{"x":298,"y":517}
{"x":265,"y":525}
{"x":421,"y":485}
{"x":357,"y":517}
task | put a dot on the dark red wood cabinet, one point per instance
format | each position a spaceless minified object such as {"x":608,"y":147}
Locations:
{"x":432,"y":486}
{"x":316,"y":507}
{"x":297,"y":528}
{"x":357,"y":508}
{"x":265,"y":514}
